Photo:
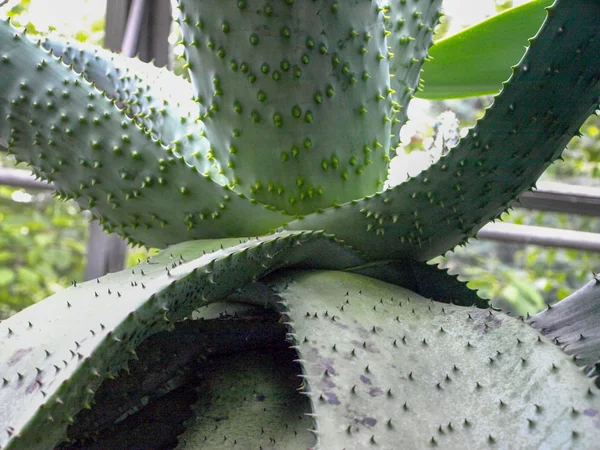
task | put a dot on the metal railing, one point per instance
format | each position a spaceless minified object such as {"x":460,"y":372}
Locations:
{"x":552,"y":197}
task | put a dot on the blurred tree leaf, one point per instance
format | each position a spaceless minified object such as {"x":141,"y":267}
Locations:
{"x":6,"y":276}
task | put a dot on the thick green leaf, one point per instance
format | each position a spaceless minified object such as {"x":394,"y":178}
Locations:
{"x":551,"y":93}
{"x":157,"y":99}
{"x":55,"y":353}
{"x":250,"y":401}
{"x":423,"y":279}
{"x":171,"y":361}
{"x":55,"y":120}
{"x":478,"y":59}
{"x":575,"y":324}
{"x":297,"y":98}
{"x":386,"y":368}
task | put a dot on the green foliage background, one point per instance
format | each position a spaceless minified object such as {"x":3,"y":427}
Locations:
{"x":42,"y":248}
{"x":42,"y":242}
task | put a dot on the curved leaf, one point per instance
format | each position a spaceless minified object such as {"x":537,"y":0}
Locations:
{"x":157,"y":99}
{"x":423,"y":279}
{"x":74,"y":136}
{"x":250,"y":401}
{"x":55,"y":353}
{"x":384,"y":367}
{"x":551,"y":93}
{"x":477,"y":60}
{"x":575,"y":325}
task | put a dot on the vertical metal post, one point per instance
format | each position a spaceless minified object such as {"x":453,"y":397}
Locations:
{"x":153,"y":44}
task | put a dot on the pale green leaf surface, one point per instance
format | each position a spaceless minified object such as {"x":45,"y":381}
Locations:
{"x":386,"y":368}
{"x":249,"y":401}
{"x":575,"y":324}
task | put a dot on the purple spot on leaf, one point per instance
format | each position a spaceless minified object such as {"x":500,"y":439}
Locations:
{"x":332,"y":398}
{"x":32,"y":387}
{"x":329,"y":367}
{"x":365,"y":379}
{"x":375,"y":392}
{"x":590,"y":412}
{"x":368,"y":421}
{"x":327,"y":382}
{"x":18,"y":355}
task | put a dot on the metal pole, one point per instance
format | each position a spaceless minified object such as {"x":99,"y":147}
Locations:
{"x":22,"y":179}
{"x":561,"y":197}
{"x":546,"y":237}
{"x":133,"y":27}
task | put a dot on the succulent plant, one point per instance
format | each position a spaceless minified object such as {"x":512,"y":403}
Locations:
{"x":263,"y":182}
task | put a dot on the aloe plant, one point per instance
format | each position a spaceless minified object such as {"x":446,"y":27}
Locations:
{"x":263,"y":182}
